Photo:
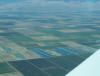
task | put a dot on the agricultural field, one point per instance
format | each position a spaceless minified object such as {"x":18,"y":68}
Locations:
{"x":47,"y":38}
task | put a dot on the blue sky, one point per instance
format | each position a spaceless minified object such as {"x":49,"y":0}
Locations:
{"x":2,"y":2}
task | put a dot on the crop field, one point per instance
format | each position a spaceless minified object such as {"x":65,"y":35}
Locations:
{"x":47,"y":38}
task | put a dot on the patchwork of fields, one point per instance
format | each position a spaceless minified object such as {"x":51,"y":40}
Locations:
{"x":47,"y":38}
